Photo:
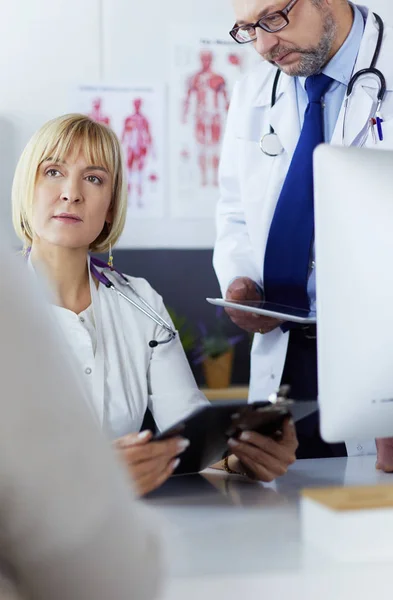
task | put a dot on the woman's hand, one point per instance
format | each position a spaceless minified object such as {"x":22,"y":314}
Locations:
{"x":265,"y":458}
{"x":150,"y":463}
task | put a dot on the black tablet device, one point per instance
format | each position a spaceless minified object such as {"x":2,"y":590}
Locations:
{"x":209,"y":428}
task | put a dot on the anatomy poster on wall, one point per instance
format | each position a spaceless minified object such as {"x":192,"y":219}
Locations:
{"x":137,"y":115}
{"x":203,"y":73}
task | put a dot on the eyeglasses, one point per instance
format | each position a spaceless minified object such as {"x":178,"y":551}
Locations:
{"x":271,"y":23}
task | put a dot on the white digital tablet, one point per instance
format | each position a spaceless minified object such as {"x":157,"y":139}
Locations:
{"x":268,"y":309}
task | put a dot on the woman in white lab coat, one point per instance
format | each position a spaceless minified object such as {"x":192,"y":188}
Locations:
{"x":69,"y":198}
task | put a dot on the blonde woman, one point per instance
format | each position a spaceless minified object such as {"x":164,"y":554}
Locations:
{"x":69,"y":198}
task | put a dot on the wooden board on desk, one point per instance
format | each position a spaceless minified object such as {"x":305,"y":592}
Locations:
{"x":234,"y":392}
{"x":352,"y":498}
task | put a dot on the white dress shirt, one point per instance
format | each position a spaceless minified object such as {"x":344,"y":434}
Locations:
{"x":122,"y":374}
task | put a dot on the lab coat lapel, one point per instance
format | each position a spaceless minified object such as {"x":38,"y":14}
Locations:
{"x":362,"y":101}
{"x":284,"y":117}
{"x":361,"y":106}
{"x":120,"y":325}
{"x":99,"y":366}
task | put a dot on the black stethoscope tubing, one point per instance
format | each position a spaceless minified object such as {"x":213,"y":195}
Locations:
{"x":372,"y":70}
{"x":274,"y":95}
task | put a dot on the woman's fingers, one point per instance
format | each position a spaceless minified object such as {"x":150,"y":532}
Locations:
{"x":260,"y":460}
{"x":289,"y":437}
{"x":151,"y":480}
{"x":155,"y":450}
{"x":283,"y":449}
{"x":286,"y":442}
{"x":265,"y":457}
{"x":150,"y":464}
{"x":133,"y":439}
{"x":149,"y":468}
{"x":259,"y":472}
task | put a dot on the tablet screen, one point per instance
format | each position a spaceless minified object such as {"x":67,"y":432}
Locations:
{"x":209,"y":427}
{"x":270,"y":309}
{"x":273,"y":307}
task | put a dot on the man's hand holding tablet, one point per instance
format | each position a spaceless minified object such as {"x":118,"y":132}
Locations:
{"x":244,"y":288}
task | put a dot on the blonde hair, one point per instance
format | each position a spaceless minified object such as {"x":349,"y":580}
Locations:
{"x":55,"y":140}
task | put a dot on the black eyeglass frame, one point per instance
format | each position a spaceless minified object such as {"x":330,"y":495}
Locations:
{"x":261,"y":23}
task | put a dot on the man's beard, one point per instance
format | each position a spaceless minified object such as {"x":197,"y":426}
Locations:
{"x":312,"y":60}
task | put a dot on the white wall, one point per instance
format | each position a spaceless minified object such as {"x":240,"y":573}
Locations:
{"x":383,"y":7}
{"x":48,"y":46}
{"x":44,"y":47}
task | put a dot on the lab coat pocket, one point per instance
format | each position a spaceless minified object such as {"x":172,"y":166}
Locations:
{"x":371,"y":133}
{"x":251,"y":125}
{"x":387,"y":126}
{"x":256,"y":169}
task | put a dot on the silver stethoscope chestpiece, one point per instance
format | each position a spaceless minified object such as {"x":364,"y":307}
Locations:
{"x":271,"y":145}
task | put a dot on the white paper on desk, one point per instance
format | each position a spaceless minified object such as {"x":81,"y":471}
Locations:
{"x":361,"y":448}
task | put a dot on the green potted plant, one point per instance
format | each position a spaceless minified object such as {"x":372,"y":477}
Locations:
{"x":187,"y":334}
{"x":215,"y":350}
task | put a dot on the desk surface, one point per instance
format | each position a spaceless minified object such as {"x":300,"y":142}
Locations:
{"x":225,"y":532}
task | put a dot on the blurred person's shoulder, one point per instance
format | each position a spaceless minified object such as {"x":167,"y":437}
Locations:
{"x":9,"y":590}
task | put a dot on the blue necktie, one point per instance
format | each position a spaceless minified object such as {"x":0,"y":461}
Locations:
{"x":291,"y":235}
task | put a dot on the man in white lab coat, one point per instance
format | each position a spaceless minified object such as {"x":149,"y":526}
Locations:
{"x":317,"y":45}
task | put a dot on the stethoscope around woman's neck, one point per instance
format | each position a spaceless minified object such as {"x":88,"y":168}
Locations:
{"x":144,"y":307}
{"x":270,"y":143}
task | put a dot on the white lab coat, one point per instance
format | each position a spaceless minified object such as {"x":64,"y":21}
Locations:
{"x":250,"y":181}
{"x":159,"y":378}
{"x":124,"y":376}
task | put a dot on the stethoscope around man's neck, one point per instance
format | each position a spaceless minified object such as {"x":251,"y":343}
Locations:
{"x":270,"y":143}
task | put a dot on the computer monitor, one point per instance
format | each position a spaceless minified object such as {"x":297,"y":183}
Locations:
{"x":354,"y":283}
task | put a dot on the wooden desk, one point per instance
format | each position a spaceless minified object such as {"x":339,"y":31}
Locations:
{"x":234,"y":392}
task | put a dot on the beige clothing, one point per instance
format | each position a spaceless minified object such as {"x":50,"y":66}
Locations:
{"x":69,"y":525}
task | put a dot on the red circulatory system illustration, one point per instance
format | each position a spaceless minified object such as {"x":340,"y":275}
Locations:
{"x":137,"y":142}
{"x":211,"y":105}
{"x":96,"y":112}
